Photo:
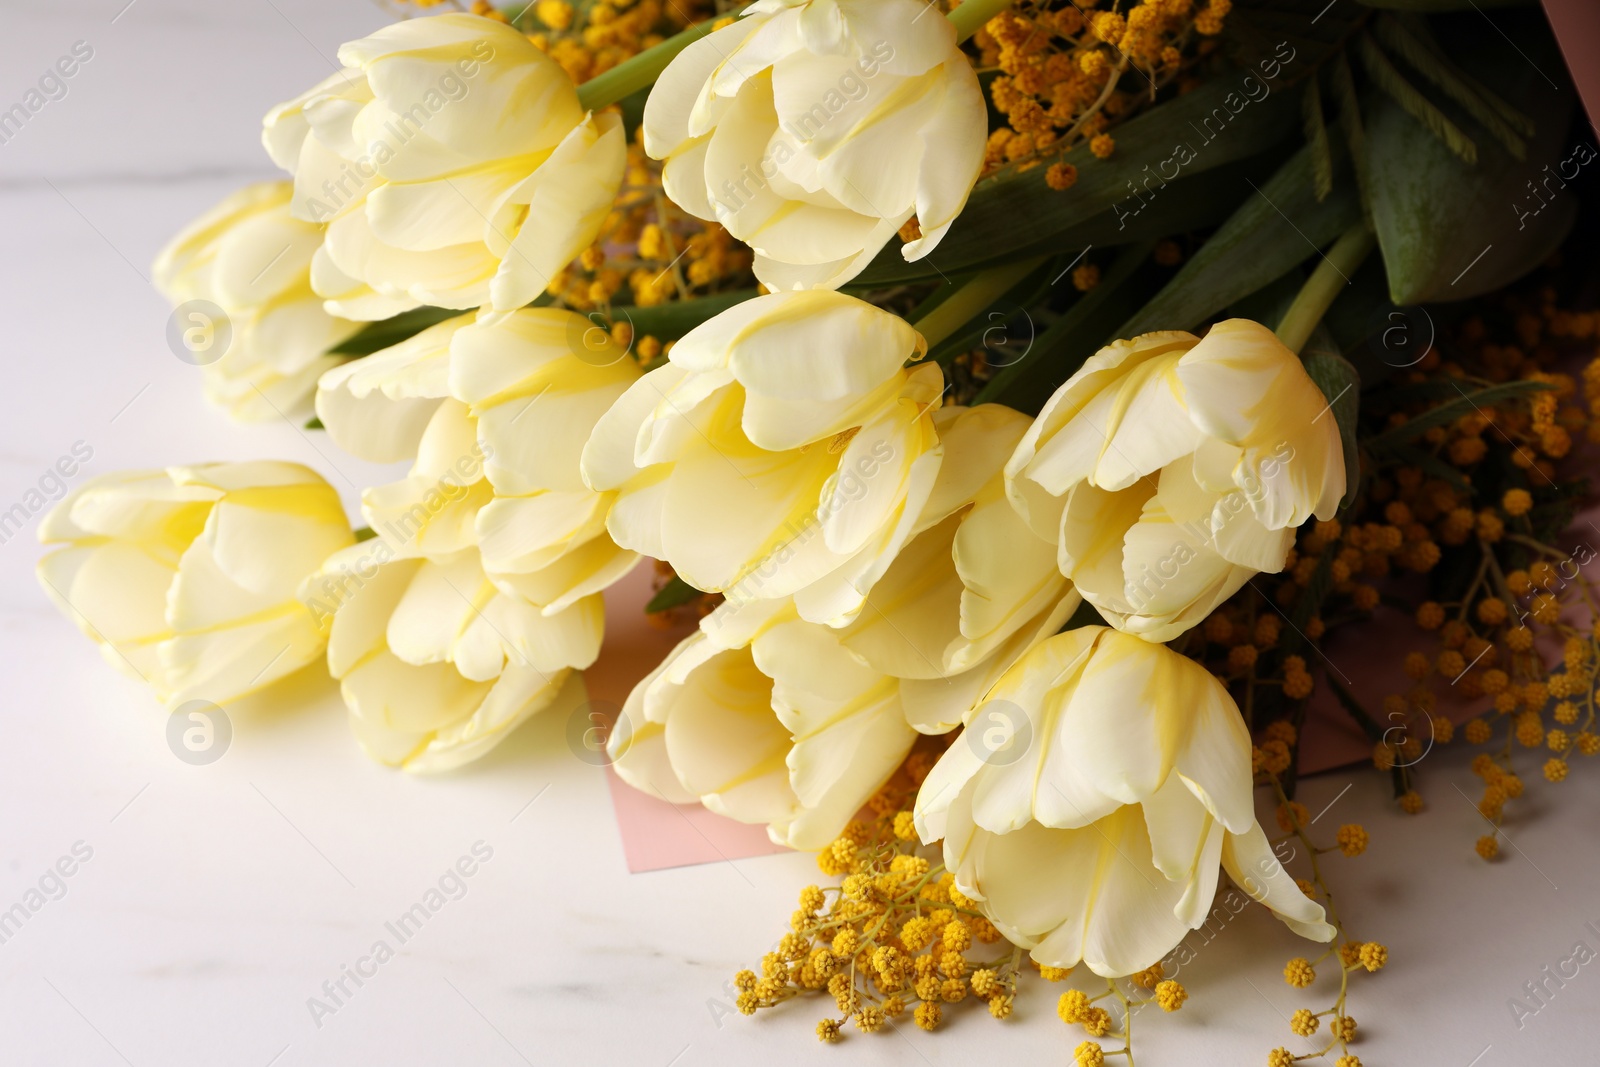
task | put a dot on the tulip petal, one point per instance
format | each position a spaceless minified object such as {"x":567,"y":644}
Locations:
{"x":1250,"y":862}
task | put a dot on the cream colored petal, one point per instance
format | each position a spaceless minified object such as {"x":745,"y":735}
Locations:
{"x":359,"y":587}
{"x":377,"y":407}
{"x":769,"y":506}
{"x":385,"y":691}
{"x":267,"y":539}
{"x":116,"y":593}
{"x":231,"y":661}
{"x":1245,"y":387}
{"x":952,"y":157}
{"x":1044,"y":468}
{"x":672,"y":98}
{"x":643,"y":762}
{"x":914,"y":613}
{"x":837,"y":598}
{"x":516,"y":696}
{"x":1166,"y":565}
{"x":1131,"y":922}
{"x":1094,"y":526}
{"x":726,"y":744}
{"x":1008,"y":576}
{"x":589,"y":568}
{"x":979,"y":440}
{"x":816,"y":346}
{"x":566,"y":200}
{"x":635,"y":518}
{"x":537,"y":386}
{"x":607,"y":461}
{"x":1249,"y":861}
{"x":778,"y":275}
{"x":684,"y":180}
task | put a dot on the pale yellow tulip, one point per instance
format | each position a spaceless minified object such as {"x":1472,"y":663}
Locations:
{"x":187,"y":577}
{"x":1092,"y":798}
{"x":1170,"y":469}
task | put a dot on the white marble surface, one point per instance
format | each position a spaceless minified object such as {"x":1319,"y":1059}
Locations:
{"x":218,"y":899}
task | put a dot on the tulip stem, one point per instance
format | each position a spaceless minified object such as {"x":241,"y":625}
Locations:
{"x":639,"y":72}
{"x":971,"y":300}
{"x":970,"y":15}
{"x":1324,"y":285}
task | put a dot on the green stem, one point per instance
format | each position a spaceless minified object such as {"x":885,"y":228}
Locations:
{"x":631,"y":75}
{"x":1325,"y":283}
{"x":970,"y":15}
{"x":972,"y":299}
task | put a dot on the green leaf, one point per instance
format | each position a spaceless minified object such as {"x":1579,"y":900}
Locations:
{"x":1309,"y":602}
{"x":1414,"y":44}
{"x":1355,"y":134}
{"x":674,"y":594}
{"x":1215,"y":124}
{"x":1449,"y":231}
{"x":1317,"y":139}
{"x":1341,"y":387}
{"x":1419,"y":107}
{"x":1429,"y":464}
{"x":1273,"y":231}
{"x":1450,"y":411}
{"x":376,"y":336}
{"x":980,"y":329}
{"x":1193,"y":203}
{"x":1074,"y":337}
{"x":670,"y":321}
{"x":1260,"y":32}
{"x":1375,"y":733}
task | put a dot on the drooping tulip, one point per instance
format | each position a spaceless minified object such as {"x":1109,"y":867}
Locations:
{"x":1093,"y":797}
{"x":1170,"y":469}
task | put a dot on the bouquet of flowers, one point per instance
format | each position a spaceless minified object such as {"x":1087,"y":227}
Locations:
{"x":1014,"y":397}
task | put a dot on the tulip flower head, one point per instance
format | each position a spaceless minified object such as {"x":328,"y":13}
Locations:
{"x":452,"y":164}
{"x":187,"y":577}
{"x":793,"y":419}
{"x":436,"y":664}
{"x":1092,"y":799}
{"x":1170,"y":469}
{"x":815,"y":129}
{"x":791,"y":731}
{"x":250,"y":259}
{"x":973,"y":590}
